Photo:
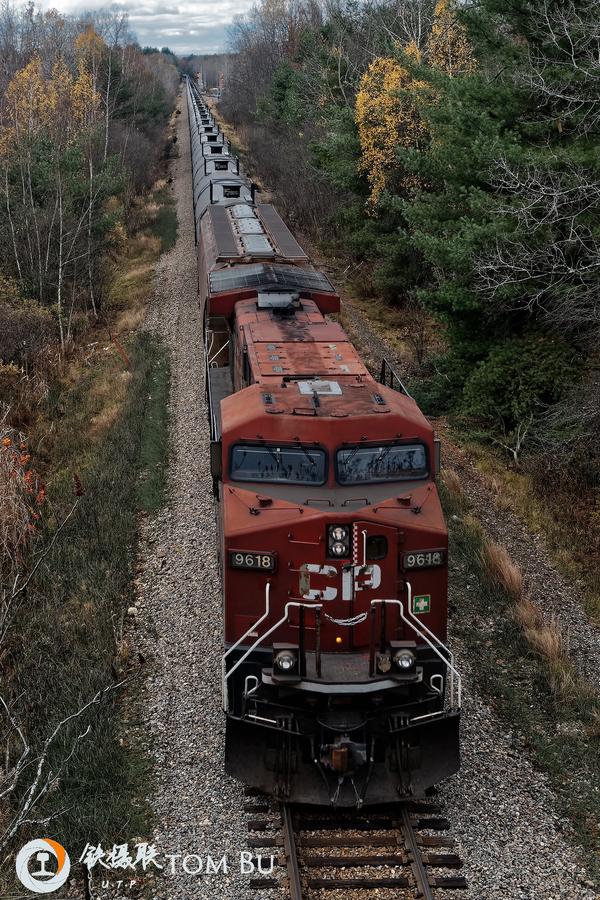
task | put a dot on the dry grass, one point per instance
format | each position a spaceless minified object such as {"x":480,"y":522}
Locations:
{"x":528,"y":614}
{"x":152,"y":209}
{"x":130,"y":320}
{"x":108,"y":396}
{"x":452,"y":483}
{"x":503,"y":570}
{"x":569,"y":529}
{"x":593,"y":728}
{"x":137,"y":273}
{"x":104,"y":420}
{"x":147,"y":243}
{"x":474,"y":528}
{"x":548,"y":641}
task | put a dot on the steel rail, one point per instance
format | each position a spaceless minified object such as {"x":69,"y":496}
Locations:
{"x":414,"y":855}
{"x":291,"y":853}
{"x":415,"y":852}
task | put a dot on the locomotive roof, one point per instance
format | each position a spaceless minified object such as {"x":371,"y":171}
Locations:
{"x":306,"y":366}
{"x":357,"y":407}
{"x":325,"y":358}
{"x":307,"y":346}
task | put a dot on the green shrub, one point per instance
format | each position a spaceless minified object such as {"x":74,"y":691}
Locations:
{"x":517,"y":381}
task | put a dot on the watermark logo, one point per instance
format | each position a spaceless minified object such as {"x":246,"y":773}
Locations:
{"x":36,"y":871}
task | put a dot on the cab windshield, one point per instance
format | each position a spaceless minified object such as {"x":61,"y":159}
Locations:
{"x":390,"y":462}
{"x":299,"y":465}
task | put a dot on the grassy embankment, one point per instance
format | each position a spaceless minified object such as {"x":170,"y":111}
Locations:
{"x":521,"y":664}
{"x":102,"y":433}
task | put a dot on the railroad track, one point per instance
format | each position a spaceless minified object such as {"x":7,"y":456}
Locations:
{"x":402,"y":849}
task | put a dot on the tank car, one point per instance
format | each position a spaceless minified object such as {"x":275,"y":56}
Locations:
{"x":338,"y":684}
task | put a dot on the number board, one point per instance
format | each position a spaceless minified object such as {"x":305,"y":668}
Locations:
{"x":424,"y":559}
{"x":252,"y":559}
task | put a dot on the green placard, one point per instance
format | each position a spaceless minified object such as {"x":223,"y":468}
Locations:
{"x":421,"y":604}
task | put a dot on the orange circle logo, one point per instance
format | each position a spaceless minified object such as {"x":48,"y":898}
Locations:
{"x":36,"y":871}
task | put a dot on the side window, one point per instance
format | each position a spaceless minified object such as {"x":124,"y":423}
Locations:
{"x":245,"y":366}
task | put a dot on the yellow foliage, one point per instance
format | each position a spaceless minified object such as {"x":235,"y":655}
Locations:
{"x":412,"y":51}
{"x":448,"y":48}
{"x":26,"y":108}
{"x":387,"y":104}
{"x":89,"y":45}
{"x":385,"y":120}
{"x":85,"y":100}
{"x":89,"y":50}
{"x":61,"y":105}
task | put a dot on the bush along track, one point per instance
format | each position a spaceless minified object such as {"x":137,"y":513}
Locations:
{"x":101,"y":443}
{"x":523,"y":668}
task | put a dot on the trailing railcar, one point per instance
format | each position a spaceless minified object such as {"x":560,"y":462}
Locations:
{"x":338,"y":685}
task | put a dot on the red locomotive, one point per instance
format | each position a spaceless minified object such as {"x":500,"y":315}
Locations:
{"x":337,"y":683}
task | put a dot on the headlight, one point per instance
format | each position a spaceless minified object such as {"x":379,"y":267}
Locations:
{"x":338,"y":540}
{"x":404,"y":659}
{"x":285,"y":660}
{"x":339,"y":549}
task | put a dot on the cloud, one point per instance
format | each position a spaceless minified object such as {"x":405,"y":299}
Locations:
{"x":185,"y":27}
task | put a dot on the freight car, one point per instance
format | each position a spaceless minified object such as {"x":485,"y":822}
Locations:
{"x":338,"y":685}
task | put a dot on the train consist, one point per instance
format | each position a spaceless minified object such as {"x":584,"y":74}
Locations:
{"x":338,"y":686}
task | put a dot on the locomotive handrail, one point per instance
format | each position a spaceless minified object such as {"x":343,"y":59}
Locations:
{"x":243,"y":638}
{"x":227,"y":675}
{"x":214,"y":436}
{"x":416,"y":626}
{"x":432,"y":635}
{"x":388,"y":373}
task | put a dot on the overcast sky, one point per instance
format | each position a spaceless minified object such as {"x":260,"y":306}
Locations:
{"x":185,"y":27}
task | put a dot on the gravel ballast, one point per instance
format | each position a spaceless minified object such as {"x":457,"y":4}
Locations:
{"x":197,"y":808}
{"x":501,"y":809}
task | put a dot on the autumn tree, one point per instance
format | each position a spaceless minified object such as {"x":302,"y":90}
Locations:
{"x":391,"y":97}
{"x":386,"y":118}
{"x":79,"y":121}
{"x":51,"y":118}
{"x":448,"y":47}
